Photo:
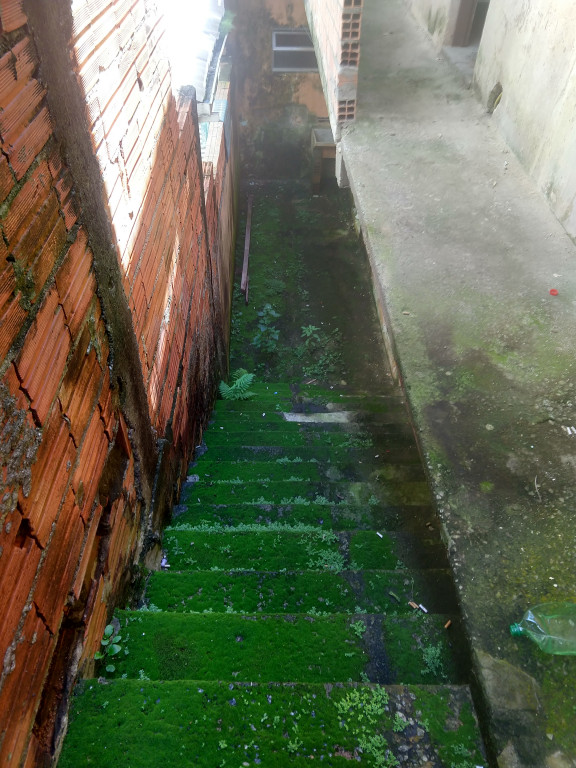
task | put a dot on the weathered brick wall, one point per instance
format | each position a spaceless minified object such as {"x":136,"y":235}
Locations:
{"x":335,"y":27}
{"x":108,"y":332}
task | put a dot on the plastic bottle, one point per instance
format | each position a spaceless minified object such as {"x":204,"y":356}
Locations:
{"x":552,"y":626}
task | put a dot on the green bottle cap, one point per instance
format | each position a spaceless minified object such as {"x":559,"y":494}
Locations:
{"x":516,"y":630}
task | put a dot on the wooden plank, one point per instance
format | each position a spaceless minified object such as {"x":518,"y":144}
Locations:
{"x":244,"y":282}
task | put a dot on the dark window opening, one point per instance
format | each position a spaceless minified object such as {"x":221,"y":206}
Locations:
{"x":293,"y":51}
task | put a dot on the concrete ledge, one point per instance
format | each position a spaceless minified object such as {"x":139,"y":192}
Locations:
{"x":465,"y":253}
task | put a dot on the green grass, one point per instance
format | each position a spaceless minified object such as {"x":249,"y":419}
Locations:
{"x":172,"y":646}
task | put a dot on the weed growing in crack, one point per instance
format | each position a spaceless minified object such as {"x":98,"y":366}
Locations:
{"x":358,"y":628}
{"x":432,"y":655}
{"x":267,"y":335}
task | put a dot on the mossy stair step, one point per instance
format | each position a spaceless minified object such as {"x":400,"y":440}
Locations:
{"x":233,"y":471}
{"x":368,"y":591}
{"x":272,"y":424}
{"x":308,"y":402}
{"x":417,"y":519}
{"x":268,"y":490}
{"x":273,"y":548}
{"x":295,"y":435}
{"x":288,"y":647}
{"x":407,"y":453}
{"x":147,"y":724}
{"x":279,"y":610}
{"x":332,"y":418}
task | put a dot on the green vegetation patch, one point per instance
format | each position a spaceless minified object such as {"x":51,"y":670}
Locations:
{"x":148,"y":724}
{"x":450,"y":722}
{"x":262,"y":513}
{"x":252,"y":491}
{"x":235,"y":472}
{"x":420,"y":649}
{"x":172,"y":646}
{"x":249,"y":547}
{"x":312,"y":592}
{"x":368,"y":549}
{"x":240,"y":592}
{"x":291,"y":435}
{"x":337,"y":516}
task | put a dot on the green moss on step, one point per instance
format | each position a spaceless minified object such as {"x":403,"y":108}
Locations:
{"x":290,"y":592}
{"x":147,"y":724}
{"x":264,"y":550}
{"x":171,"y":646}
{"x":262,"y":471}
{"x":336,"y":516}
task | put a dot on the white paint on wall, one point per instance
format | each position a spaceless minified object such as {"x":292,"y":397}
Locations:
{"x":528,"y":46}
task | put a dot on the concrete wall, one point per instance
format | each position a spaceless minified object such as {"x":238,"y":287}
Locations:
{"x":109,"y":329}
{"x":276,"y":111}
{"x":528,"y":47}
{"x":438,"y":17}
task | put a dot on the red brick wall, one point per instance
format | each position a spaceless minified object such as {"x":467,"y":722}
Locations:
{"x":335,"y":28}
{"x":92,"y":447}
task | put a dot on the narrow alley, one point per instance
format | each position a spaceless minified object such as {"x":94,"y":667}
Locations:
{"x":303,"y":564}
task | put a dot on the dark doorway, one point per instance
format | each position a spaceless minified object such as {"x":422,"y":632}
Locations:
{"x":470,"y":22}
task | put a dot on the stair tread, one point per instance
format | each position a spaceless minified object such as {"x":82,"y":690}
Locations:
{"x":372,"y":591}
{"x":402,"y":454}
{"x":251,"y":723}
{"x":413,"y":519}
{"x":298,"y":647}
{"x":276,"y":548}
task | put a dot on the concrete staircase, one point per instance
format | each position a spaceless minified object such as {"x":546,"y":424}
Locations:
{"x":305,"y":610}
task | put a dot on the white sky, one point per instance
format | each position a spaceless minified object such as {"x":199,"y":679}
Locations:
{"x":191,"y":26}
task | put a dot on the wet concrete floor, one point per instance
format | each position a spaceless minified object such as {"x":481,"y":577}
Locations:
{"x":464,"y":253}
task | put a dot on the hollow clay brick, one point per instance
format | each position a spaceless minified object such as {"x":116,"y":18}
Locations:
{"x":41,"y":362}
{"x":12,"y":15}
{"x":76,"y":283}
{"x":12,"y":316}
{"x":6,"y":179}
{"x":23,"y":686}
{"x":29,"y":143}
{"x":50,"y":476}
{"x":27,"y":202}
{"x":91,"y":463}
{"x":80,"y":388}
{"x":38,"y":229}
{"x":59,"y":565}
{"x":16,"y":115}
{"x":16,"y":68}
{"x":89,"y":555}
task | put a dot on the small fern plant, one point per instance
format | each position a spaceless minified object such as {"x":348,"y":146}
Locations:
{"x":240,"y":388}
